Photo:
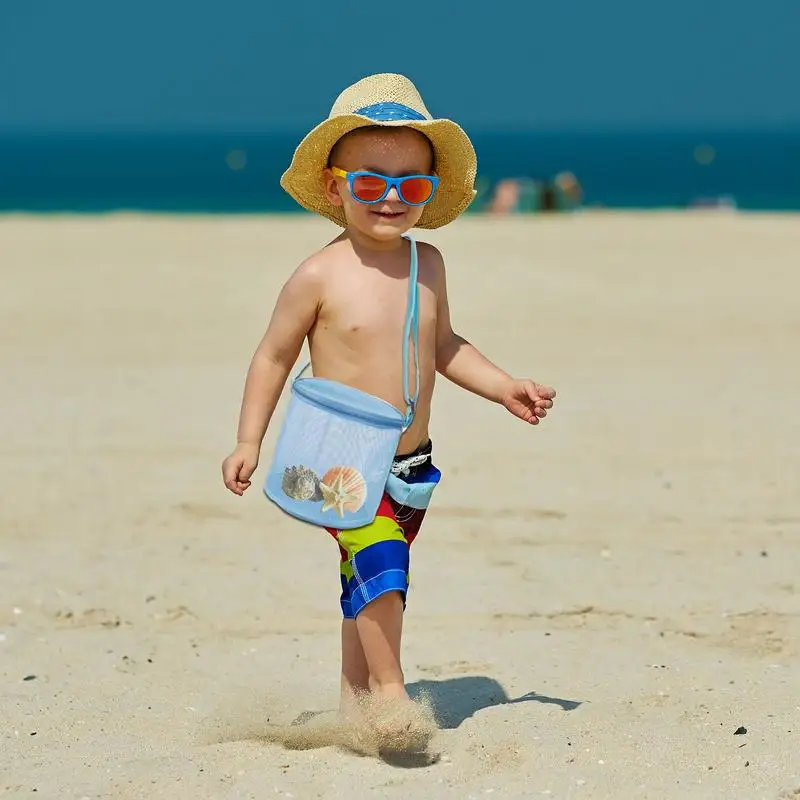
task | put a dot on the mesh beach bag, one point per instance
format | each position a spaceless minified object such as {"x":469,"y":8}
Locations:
{"x":334,"y":453}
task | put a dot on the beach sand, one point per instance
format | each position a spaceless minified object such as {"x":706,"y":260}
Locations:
{"x":598,"y":604}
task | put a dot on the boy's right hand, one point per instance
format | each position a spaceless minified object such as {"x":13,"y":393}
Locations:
{"x":239,"y":466}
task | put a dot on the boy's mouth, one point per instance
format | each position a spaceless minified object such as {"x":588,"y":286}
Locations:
{"x":388,"y":214}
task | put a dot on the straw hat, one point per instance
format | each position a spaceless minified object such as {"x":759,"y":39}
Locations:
{"x":387,"y":100}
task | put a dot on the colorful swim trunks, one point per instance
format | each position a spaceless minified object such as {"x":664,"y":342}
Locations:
{"x":375,"y":558}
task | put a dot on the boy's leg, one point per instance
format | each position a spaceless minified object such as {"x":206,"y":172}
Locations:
{"x":380,"y":627}
{"x":374,"y":581}
{"x":380,"y":622}
{"x":355,"y":669}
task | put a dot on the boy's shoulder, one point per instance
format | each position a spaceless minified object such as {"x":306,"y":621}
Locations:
{"x":430,"y":253}
{"x":426,"y":248}
{"x":431,"y":261}
{"x":314,"y":267}
{"x":326,"y":256}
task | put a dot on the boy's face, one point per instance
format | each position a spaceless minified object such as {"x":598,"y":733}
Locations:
{"x":389,"y":151}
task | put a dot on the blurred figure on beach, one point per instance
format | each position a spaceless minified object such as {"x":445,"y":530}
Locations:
{"x":526,"y":195}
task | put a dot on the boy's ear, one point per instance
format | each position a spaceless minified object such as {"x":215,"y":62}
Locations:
{"x":331,"y":187}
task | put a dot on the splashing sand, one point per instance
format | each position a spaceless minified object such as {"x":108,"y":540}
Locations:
{"x":374,"y":726}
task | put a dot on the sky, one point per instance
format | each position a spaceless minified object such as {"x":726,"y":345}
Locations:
{"x":94,"y":65}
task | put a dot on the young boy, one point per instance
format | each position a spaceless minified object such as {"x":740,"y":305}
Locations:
{"x":349,"y":301}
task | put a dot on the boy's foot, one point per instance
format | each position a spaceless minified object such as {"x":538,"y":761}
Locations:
{"x":397,"y":724}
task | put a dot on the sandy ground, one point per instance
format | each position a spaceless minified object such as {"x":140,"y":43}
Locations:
{"x":598,"y":604}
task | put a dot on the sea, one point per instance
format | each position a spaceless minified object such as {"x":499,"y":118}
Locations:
{"x":239,"y":172}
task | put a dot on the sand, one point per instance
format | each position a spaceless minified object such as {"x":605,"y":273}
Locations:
{"x":598,"y":604}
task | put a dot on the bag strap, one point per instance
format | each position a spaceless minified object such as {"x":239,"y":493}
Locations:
{"x":410,"y":336}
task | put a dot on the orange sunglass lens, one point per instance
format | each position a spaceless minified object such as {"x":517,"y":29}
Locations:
{"x":416,"y":190}
{"x":368,"y":187}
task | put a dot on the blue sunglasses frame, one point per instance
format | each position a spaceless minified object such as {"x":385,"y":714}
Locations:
{"x":390,"y":183}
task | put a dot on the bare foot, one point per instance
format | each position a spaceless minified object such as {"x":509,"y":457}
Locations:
{"x":398,"y":724}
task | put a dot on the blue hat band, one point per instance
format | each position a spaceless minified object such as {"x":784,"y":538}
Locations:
{"x":386,"y":112}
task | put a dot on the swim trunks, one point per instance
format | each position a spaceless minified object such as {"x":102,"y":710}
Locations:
{"x":374,"y":559}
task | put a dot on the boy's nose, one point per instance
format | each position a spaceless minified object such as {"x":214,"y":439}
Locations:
{"x":393,"y":195}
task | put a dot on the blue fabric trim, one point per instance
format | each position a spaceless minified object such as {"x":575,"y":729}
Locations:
{"x":414,"y":490}
{"x":349,"y":402}
{"x":392,"y":580}
{"x":412,"y":495}
{"x":385,"y":112}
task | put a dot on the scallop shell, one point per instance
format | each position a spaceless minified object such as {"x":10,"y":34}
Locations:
{"x":344,"y":489}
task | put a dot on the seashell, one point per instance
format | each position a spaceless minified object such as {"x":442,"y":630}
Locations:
{"x":343,"y":489}
{"x":300,"y":483}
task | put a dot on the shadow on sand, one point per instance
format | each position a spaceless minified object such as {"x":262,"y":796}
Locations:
{"x":457,"y":699}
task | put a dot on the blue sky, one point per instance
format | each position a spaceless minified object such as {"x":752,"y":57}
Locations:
{"x":270,"y":64}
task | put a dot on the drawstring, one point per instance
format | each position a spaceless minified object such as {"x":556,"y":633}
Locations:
{"x":406,"y":464}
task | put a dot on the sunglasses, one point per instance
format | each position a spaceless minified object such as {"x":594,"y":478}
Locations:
{"x":372,"y":187}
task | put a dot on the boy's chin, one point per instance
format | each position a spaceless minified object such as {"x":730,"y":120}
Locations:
{"x":389,"y":227}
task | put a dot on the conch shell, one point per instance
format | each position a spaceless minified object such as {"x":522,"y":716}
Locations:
{"x":343,"y":489}
{"x":300,"y":483}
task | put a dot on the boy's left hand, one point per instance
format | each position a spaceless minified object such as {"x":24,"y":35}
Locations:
{"x":528,"y":400}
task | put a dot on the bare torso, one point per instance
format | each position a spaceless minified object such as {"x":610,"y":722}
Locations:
{"x":357,"y":338}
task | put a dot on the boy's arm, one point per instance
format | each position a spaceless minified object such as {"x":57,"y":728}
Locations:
{"x":292,"y":318}
{"x":463,"y":364}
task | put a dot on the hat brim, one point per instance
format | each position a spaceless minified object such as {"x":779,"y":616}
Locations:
{"x":456,"y":166}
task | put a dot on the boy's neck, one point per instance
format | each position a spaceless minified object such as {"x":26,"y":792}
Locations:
{"x":361,"y":241}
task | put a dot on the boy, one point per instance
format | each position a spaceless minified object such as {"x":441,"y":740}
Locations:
{"x":349,"y":301}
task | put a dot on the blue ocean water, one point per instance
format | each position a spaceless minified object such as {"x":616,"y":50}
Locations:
{"x":239,"y":172}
